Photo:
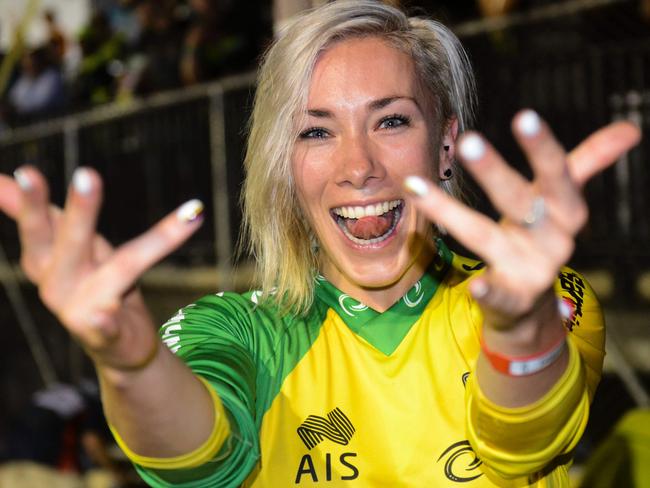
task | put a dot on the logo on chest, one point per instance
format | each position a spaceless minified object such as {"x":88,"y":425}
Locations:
{"x":335,"y":427}
{"x":461,"y":463}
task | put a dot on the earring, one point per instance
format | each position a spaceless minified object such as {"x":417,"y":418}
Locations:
{"x":448,"y":174}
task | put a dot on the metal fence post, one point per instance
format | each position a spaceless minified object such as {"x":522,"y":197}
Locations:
{"x":70,"y":163}
{"x":70,"y":146}
{"x":220,"y":195}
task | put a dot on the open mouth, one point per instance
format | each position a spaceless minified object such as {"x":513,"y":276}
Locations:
{"x":370,"y":224}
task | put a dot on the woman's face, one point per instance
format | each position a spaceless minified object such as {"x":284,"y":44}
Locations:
{"x":365,"y":130}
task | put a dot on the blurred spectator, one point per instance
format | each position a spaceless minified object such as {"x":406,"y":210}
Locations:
{"x":136,"y":48}
{"x":102,"y":62}
{"x":223,"y":38}
{"x":63,"y":428}
{"x":153,"y":61}
{"x":8,"y":76}
{"x":121,"y":16}
{"x":38,"y":90}
{"x":283,"y":10}
{"x":56,"y":42}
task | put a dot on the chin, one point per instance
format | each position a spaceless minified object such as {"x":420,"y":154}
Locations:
{"x":377,"y":270}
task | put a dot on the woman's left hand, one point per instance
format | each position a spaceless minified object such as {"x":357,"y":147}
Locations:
{"x":525,"y":249}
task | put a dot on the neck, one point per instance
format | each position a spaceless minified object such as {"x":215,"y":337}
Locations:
{"x":383,"y":297}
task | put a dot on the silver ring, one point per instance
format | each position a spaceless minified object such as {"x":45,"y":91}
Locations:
{"x":536,"y":213}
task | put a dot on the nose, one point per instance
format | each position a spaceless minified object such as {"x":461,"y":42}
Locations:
{"x":359,"y":162}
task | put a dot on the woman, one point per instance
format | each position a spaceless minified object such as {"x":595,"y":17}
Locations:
{"x":373,"y":356}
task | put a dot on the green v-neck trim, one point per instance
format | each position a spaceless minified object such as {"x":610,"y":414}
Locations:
{"x":385,"y":331}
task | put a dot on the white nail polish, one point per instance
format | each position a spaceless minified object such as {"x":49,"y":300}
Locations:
{"x":190,"y":211}
{"x":22,"y":180}
{"x":478,"y":288}
{"x":472,"y":147}
{"x":566,"y":310}
{"x":416,"y":185}
{"x":81,"y":181}
{"x":528,"y":123}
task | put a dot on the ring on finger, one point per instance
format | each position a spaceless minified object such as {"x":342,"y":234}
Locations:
{"x":536,"y":213}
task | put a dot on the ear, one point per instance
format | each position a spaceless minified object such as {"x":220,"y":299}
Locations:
{"x":448,"y":148}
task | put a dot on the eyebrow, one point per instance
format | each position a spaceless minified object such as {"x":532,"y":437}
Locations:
{"x":374,"y":105}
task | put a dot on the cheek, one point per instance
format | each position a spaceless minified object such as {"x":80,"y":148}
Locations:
{"x":309,"y":189}
{"x":413,"y":159}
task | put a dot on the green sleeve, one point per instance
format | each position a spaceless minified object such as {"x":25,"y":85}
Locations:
{"x":215,"y":338}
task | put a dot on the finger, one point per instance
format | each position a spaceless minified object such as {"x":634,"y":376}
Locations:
{"x":601,"y":149}
{"x":129,"y":261}
{"x":10,"y":196}
{"x":545,"y":154}
{"x":472,"y":229}
{"x":33,"y":219}
{"x":503,"y":306}
{"x":510,"y":193}
{"x":75,"y":235}
{"x":562,"y":196}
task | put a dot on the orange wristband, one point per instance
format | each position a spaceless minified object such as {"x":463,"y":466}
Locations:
{"x":524,"y":365}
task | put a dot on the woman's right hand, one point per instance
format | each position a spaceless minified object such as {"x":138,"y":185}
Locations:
{"x":81,"y":278}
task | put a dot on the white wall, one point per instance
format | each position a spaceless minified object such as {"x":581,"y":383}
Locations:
{"x":71,"y":16}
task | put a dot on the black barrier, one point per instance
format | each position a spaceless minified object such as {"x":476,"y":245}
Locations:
{"x":577,"y":87}
{"x":152,"y":157}
{"x":158,"y":154}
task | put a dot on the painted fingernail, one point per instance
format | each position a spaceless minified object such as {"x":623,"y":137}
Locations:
{"x":190,"y":211}
{"x":82,"y":181}
{"x":478,"y":288}
{"x":565,"y":308}
{"x":529,"y":123}
{"x":23,"y":181}
{"x":472,"y":147}
{"x":416,"y":185}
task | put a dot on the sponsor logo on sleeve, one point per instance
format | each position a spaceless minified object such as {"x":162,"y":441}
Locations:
{"x":171,"y":331}
{"x":476,"y":267}
{"x":573,"y":287}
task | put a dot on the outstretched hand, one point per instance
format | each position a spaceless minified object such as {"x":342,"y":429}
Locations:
{"x":525,"y":249}
{"x":81,"y":278}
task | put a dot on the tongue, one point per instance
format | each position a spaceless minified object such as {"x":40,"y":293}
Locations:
{"x":369,"y":227}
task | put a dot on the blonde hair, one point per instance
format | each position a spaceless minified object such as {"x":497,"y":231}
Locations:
{"x":275,"y":232}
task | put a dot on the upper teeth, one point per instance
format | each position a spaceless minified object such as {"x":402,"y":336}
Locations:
{"x":367,"y":211}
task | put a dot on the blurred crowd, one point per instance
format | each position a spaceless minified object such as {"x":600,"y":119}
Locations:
{"x":132,"y":48}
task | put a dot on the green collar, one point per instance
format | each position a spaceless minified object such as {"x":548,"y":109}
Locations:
{"x":385,"y":331}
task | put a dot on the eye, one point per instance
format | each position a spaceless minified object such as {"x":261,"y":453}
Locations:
{"x":314,"y":133}
{"x":394,"y":121}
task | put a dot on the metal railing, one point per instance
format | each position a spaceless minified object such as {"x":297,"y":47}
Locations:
{"x":578,"y":89}
{"x":152,"y":154}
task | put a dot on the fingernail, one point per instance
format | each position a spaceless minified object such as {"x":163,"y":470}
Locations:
{"x":472,"y":147}
{"x":81,"y":181}
{"x":529,"y":123}
{"x":416,"y":185}
{"x":190,"y":211}
{"x":565,"y":308}
{"x":478,"y":288}
{"x":23,"y":181}
{"x":96,"y":320}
